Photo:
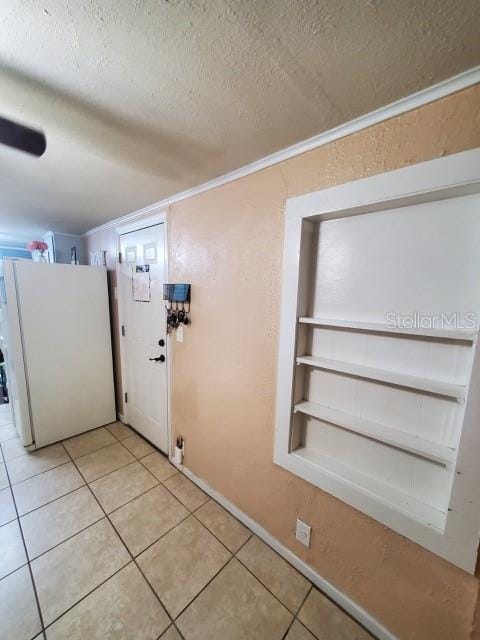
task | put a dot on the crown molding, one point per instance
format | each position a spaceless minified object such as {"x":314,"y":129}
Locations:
{"x":418,"y":99}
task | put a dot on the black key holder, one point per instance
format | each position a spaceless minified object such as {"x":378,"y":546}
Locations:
{"x":178,"y":295}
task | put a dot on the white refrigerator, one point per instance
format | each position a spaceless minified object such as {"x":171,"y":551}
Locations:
{"x":56,"y":334}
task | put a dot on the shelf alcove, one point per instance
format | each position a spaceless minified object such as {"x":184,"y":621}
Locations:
{"x":377,"y":402}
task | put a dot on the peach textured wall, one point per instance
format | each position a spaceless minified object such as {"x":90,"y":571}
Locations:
{"x":228,"y":243}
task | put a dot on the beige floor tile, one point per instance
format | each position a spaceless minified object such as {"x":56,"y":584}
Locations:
{"x":148,"y":517}
{"x":98,"y":463}
{"x":50,"y":485}
{"x":325,"y":620}
{"x":88,"y":442}
{"x":187,"y":492}
{"x":299,"y":632}
{"x":70,"y":571}
{"x":223,"y":525}
{"x":235,"y":606}
{"x":121,"y":486}
{"x":123,"y":608}
{"x":138,"y":446}
{"x":7,"y":508}
{"x":120,"y":430}
{"x":7,"y":432}
{"x":46,"y":527}
{"x":159,"y":465}
{"x":6,"y":412}
{"x":19,"y":618}
{"x":3,"y":476}
{"x":36,"y":462}
{"x":171,"y":634}
{"x":281,"y":578}
{"x":181,"y":563}
{"x":12,"y":551}
{"x":13,"y":448}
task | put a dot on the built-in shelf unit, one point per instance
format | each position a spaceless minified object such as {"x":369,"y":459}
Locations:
{"x":378,"y":378}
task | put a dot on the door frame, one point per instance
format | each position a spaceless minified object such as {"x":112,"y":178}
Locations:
{"x":159,"y":217}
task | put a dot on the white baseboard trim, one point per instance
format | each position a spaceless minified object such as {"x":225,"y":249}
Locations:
{"x":343,"y":601}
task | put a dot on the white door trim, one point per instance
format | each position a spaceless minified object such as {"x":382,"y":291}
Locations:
{"x":158,"y":217}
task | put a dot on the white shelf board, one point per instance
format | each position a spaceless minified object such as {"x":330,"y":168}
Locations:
{"x":390,"y":377}
{"x":394,"y":437}
{"x":397,"y":500}
{"x":448,"y":334}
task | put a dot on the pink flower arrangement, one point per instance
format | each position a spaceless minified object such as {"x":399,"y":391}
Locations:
{"x":37,"y":245}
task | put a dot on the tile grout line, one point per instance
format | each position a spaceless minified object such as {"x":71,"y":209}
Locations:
{"x":71,"y":460}
{"x":133,"y":558}
{"x":67,"y":538}
{"x":27,"y":513}
{"x":232,"y":555}
{"x":172,"y":528}
{"x":192,"y":512}
{"x":304,"y":599}
{"x":20,"y":566}
{"x":85,"y":484}
{"x":127,"y":550}
{"x":50,"y":624}
{"x":106,"y":515}
{"x":295,"y":616}
{"x":79,"y":487}
{"x":60,"y":464}
{"x":190,"y":602}
{"x":99,"y":585}
{"x":104,"y":446}
{"x":35,"y":475}
{"x":312,"y":586}
{"x":305,"y":627}
{"x":105,"y":474}
{"x":162,"y":536}
{"x":290,"y":625}
{"x":235,"y":555}
{"x":34,"y":586}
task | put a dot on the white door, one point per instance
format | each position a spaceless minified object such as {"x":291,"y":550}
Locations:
{"x":145,"y":336}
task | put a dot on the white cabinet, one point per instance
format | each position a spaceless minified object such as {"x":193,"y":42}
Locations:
{"x":376,"y":401}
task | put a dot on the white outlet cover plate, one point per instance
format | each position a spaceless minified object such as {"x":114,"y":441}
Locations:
{"x":303,"y":532}
{"x":180,"y":333}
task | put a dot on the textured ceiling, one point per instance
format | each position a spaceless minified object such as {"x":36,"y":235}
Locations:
{"x":142,"y":99}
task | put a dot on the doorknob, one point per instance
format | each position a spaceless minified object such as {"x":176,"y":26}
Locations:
{"x":158,"y":359}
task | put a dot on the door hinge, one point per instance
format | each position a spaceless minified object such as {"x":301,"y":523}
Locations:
{"x":126,"y":397}
{"x":123,"y":330}
{"x":119,"y":257}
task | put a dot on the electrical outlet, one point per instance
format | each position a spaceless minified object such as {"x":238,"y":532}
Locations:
{"x":303,"y":532}
{"x":180,"y":333}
